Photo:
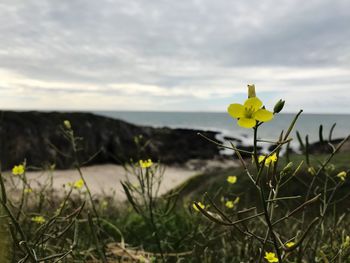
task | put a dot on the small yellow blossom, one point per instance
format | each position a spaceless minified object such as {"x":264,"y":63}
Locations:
{"x":229,"y":204}
{"x":199,"y":204}
{"x":18,"y":169}
{"x":78,"y":184}
{"x":67,"y":124}
{"x":271,"y":257}
{"x":146,"y":163}
{"x":232,"y":179}
{"x":342,"y":175}
{"x":261,"y":158}
{"x":28,"y":190}
{"x":290,"y":244}
{"x":269,"y":160}
{"x":251,"y":112}
{"x":38,"y":219}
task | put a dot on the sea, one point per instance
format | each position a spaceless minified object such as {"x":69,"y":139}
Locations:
{"x":307,"y":124}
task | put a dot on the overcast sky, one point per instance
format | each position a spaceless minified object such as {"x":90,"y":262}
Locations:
{"x":188,"y":55}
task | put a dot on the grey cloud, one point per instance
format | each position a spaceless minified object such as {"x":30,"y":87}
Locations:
{"x":171,"y":43}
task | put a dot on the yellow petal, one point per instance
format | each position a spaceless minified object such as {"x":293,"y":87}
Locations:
{"x":261,"y":158}
{"x":253,"y":103}
{"x":236,"y":110}
{"x":246,"y":123}
{"x":263,"y":115}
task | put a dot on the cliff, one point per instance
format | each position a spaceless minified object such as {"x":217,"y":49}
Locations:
{"x":37,"y":137}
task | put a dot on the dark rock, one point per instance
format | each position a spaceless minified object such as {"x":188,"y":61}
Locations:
{"x":37,"y":137}
{"x":323,"y":147}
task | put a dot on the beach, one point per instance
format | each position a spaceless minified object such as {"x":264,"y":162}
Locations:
{"x":105,"y":179}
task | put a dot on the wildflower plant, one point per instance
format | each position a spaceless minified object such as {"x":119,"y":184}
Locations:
{"x":273,"y":242}
{"x":141,"y":186}
{"x":44,"y":227}
{"x":276,"y":225}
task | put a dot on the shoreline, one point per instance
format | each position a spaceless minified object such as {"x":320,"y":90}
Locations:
{"x":104,"y":179}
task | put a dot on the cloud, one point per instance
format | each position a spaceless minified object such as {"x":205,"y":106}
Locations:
{"x":173,"y":55}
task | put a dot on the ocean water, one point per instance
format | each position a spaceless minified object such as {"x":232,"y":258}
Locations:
{"x":223,"y":123}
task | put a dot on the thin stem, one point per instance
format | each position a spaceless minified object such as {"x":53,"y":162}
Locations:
{"x":268,"y":221}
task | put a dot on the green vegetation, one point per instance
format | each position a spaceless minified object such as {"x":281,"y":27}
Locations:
{"x":272,"y":209}
{"x":5,"y":241}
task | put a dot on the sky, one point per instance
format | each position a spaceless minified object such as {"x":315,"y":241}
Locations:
{"x":186,"y":55}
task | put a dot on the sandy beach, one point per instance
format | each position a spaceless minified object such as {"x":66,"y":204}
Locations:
{"x":105,"y":179}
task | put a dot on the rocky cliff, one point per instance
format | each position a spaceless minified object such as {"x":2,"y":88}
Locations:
{"x":37,"y":137}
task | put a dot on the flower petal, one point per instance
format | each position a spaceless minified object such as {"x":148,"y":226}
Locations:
{"x":236,"y":110}
{"x":253,"y":103}
{"x":263,"y":115}
{"x":246,"y":122}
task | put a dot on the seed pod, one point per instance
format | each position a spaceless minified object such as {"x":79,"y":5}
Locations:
{"x":279,"y":106}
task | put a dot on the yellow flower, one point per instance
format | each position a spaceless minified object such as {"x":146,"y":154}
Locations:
{"x":271,"y":257}
{"x":269,"y":160}
{"x":342,"y":175}
{"x":146,"y":163}
{"x":232,"y":179}
{"x":229,"y":204}
{"x":38,"y":219}
{"x":261,"y":158}
{"x":18,"y":169}
{"x":28,"y":190}
{"x":290,"y":244}
{"x":249,"y":113}
{"x":199,"y":204}
{"x":78,"y":184}
{"x":67,"y":124}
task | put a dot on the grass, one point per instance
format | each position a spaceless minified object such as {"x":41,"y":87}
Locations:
{"x":184,"y":230}
{"x":5,"y":240}
{"x":270,"y":206}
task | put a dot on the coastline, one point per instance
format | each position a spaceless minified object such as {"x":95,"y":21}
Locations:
{"x":38,"y":138}
{"x":104,"y":179}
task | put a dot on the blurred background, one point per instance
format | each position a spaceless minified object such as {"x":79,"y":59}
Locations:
{"x":176,"y":56}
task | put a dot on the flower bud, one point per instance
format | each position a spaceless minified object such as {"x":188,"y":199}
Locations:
{"x":311,"y":171}
{"x":288,"y":167}
{"x":346,"y":242}
{"x":251,"y":91}
{"x":342,"y":175}
{"x":67,"y":124}
{"x":279,"y":106}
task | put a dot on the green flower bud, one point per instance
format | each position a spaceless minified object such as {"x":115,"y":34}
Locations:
{"x":288,"y":167}
{"x":251,"y":91}
{"x":279,"y":106}
{"x":346,"y":243}
{"x":311,"y":170}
